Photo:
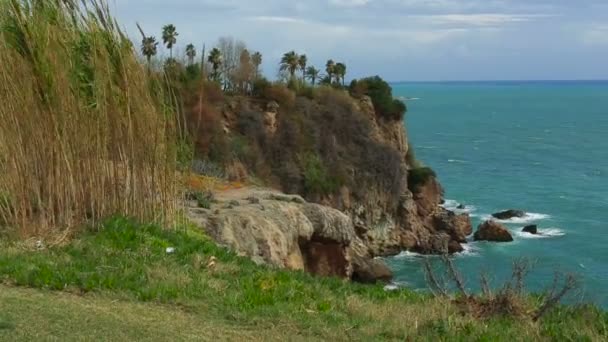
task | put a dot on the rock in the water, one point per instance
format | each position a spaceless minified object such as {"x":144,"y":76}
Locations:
{"x":370,"y":271}
{"x":455,"y":247}
{"x":458,"y":226}
{"x":532,"y":229}
{"x":509,"y":214}
{"x":461,"y":207}
{"x":493,"y":231}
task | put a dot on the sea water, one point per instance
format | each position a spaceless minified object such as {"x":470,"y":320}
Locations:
{"x":541,"y":147}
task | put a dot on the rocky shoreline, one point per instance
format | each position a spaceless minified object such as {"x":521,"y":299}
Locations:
{"x":343,"y":233}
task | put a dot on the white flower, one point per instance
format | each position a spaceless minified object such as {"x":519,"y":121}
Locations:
{"x":170,"y":250}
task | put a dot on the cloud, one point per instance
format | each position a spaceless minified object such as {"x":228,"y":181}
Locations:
{"x":482,"y":19}
{"x":596,"y":34}
{"x":349,"y":3}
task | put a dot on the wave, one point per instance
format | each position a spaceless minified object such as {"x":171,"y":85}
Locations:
{"x":457,"y":161}
{"x":396,"y":285}
{"x":528,"y":218}
{"x":409,"y":255}
{"x":453,"y":205}
{"x":542,"y":234}
{"x":469,"y":250}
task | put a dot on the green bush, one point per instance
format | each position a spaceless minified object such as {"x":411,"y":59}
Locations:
{"x":418,"y":177}
{"x":317,"y":179}
{"x":259,"y":86}
{"x":381,"y":94}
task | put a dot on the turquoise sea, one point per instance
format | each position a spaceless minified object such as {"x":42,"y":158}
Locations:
{"x":541,"y":147}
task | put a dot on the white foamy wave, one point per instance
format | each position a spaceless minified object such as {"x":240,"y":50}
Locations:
{"x":469,"y":250}
{"x":542,"y":234}
{"x":528,"y":218}
{"x":408,"y":255}
{"x":457,"y":161}
{"x":396,"y":285}
{"x":453,"y":205}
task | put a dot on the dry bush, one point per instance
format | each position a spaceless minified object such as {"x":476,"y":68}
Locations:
{"x":81,"y":133}
{"x":327,"y":95}
{"x":281,"y":94}
{"x":510,"y":300}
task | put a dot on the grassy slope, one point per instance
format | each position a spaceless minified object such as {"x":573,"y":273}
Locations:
{"x":121,"y":284}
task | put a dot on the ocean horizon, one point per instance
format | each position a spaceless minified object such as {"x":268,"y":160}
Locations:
{"x":529,"y":145}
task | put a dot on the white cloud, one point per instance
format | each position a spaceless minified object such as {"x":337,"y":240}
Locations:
{"x":595,"y":35}
{"x":349,"y":3}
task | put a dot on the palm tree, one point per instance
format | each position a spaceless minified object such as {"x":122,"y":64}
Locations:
{"x":312,"y":74}
{"x":149,"y":48}
{"x":215,"y":58}
{"x":149,"y":45}
{"x":330,"y":68}
{"x":290,"y":62}
{"x":256,"y":59}
{"x":190,"y":53}
{"x":302,"y":61}
{"x":340,"y":71}
{"x":170,"y":37}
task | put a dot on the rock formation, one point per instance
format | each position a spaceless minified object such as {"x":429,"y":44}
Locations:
{"x":493,"y":231}
{"x":349,"y":228}
{"x":532,"y":229}
{"x":509,"y":214}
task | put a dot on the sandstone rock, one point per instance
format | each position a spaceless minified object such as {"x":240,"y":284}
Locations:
{"x":288,"y":233}
{"x":509,"y":214}
{"x":493,"y":231}
{"x":532,"y":229}
{"x":455,"y":247}
{"x":369,"y":271}
{"x":457,"y":226}
{"x":272,"y":107}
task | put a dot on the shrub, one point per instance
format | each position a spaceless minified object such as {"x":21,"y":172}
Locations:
{"x":260,"y":85}
{"x":281,"y":94}
{"x":418,"y":177}
{"x":330,"y":96}
{"x":317,"y":179}
{"x":381,"y":94}
{"x":212,"y":92}
{"x":204,"y":199}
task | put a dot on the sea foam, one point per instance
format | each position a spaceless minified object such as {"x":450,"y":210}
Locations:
{"x":542,"y":234}
{"x":528,"y":218}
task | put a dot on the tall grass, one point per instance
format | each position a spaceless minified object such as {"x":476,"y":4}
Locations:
{"x":85,"y":132}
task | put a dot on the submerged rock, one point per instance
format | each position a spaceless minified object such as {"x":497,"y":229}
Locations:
{"x":493,"y":231}
{"x":461,"y":207}
{"x":509,"y":214}
{"x":532,"y":229}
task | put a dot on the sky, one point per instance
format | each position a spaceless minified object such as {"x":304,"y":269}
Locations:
{"x":400,"y":40}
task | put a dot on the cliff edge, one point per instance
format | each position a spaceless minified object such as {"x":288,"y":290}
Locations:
{"x":358,"y":192}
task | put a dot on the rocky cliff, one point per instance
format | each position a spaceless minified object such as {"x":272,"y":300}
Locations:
{"x":364,"y":205}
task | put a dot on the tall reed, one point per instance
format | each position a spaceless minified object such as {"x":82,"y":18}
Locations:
{"x":85,"y":132}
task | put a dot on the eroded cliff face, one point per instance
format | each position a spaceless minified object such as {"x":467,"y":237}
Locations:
{"x":419,"y":223}
{"x":343,"y":233}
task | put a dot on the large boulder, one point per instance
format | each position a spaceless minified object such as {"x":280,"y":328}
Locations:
{"x":458,"y":226}
{"x":531,"y":229}
{"x":493,"y":231}
{"x":370,"y":271}
{"x":280,"y":230}
{"x":509,"y":214}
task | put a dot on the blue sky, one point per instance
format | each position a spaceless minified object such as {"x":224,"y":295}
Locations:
{"x":400,"y":39}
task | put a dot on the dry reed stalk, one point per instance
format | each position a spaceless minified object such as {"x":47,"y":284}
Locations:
{"x":85,"y":132}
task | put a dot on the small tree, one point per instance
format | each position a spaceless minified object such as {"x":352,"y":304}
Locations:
{"x":170,"y":37}
{"x":190,"y":53}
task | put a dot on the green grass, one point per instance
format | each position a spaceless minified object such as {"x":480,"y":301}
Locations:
{"x":120,"y":283}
